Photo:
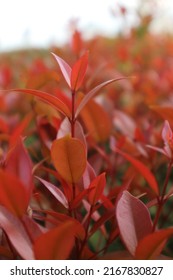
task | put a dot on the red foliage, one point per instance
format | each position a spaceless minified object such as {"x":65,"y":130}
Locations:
{"x":86,"y":150}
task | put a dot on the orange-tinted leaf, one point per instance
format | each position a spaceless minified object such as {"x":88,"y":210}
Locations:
{"x":97,"y":186}
{"x":96,"y":121}
{"x":16,"y":233}
{"x":78,"y":72}
{"x":13,"y":194}
{"x":133,"y":219}
{"x":51,"y":99}
{"x":92,"y":93}
{"x":65,"y":68}
{"x":69,"y":157}
{"x":57,"y":243}
{"x":19,"y":163}
{"x":142,"y":169}
{"x":151,"y":245}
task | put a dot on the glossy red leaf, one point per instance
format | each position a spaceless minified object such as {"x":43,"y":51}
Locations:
{"x":19,"y":163}
{"x":65,"y":69}
{"x":13,"y":193}
{"x":57,"y":243}
{"x":16,"y":233}
{"x":133,"y":219}
{"x":142,"y":169}
{"x":152,"y":245}
{"x":55,"y":191}
{"x":92,"y":93}
{"x":50,"y":99}
{"x":97,"y":186}
{"x":69,"y":157}
{"x":78,"y":72}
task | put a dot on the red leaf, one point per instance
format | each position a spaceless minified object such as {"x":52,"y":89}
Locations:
{"x":78,"y":72}
{"x":19,"y":163}
{"x":97,"y":186}
{"x":133,"y":219}
{"x":56,"y":192}
{"x":61,"y":218}
{"x":92,"y":93}
{"x":13,"y":194}
{"x":65,"y":68}
{"x":151,"y":245}
{"x":16,"y":234}
{"x":20,"y":128}
{"x":51,"y":99}
{"x":69,"y":157}
{"x":57,"y":243}
{"x":142,"y":169}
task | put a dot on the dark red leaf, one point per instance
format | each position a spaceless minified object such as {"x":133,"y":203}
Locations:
{"x":57,"y":243}
{"x":133,"y":219}
{"x":19,"y":163}
{"x":16,"y":233}
{"x":13,"y":193}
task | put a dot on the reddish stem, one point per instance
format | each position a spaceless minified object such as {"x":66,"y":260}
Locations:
{"x":161,"y":200}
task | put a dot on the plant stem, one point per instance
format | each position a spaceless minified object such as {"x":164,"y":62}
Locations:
{"x":161,"y":200}
{"x":73,"y":93}
{"x":86,"y":230}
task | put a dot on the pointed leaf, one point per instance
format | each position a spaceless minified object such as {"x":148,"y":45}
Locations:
{"x":56,"y":192}
{"x":152,"y":245}
{"x":133,"y":219}
{"x":142,"y":169}
{"x":13,"y":194}
{"x":92,"y":93}
{"x":69,"y":157}
{"x":51,"y":99}
{"x":16,"y":233}
{"x":65,"y":69}
{"x":97,"y":186}
{"x":57,"y":243}
{"x":19,"y":163}
{"x":18,"y":131}
{"x":78,"y":72}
